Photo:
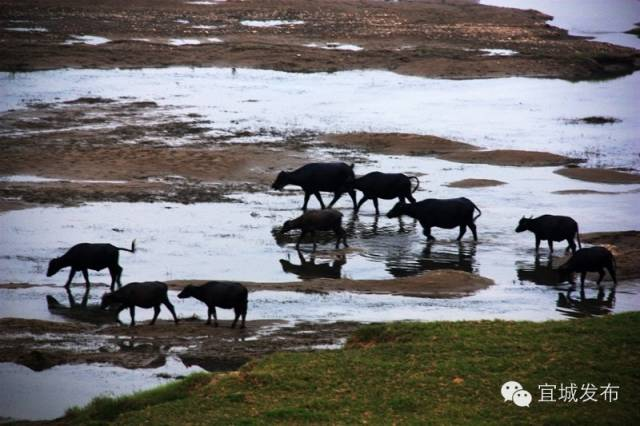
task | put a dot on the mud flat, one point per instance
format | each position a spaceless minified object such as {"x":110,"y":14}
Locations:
{"x":41,"y":345}
{"x":398,"y":143}
{"x":412,"y":144}
{"x":426,"y":38}
{"x":475,"y":183}
{"x":599,"y":175}
{"x":433,"y":284}
{"x":624,"y":245}
{"x":510,"y":157}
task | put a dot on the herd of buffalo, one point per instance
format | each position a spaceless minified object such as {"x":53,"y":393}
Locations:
{"x":339,"y":179}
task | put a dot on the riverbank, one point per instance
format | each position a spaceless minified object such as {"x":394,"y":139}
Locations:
{"x":410,"y":373}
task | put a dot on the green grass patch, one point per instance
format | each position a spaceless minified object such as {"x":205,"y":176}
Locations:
{"x":411,"y":373}
{"x":106,"y":409}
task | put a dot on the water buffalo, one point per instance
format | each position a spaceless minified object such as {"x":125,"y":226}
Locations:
{"x":317,"y":220}
{"x":225,"y":295}
{"x":591,"y":259}
{"x":144,"y":295}
{"x":387,"y":186}
{"x":84,"y":256}
{"x":316,"y":177}
{"x":446,"y":214}
{"x":551,"y":228}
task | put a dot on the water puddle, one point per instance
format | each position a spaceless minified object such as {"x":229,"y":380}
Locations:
{"x":601,"y":20}
{"x":87,"y":39}
{"x":75,"y":385}
{"x":335,"y":46}
{"x":269,"y":23}
{"x":40,"y":179}
{"x":508,"y":113}
{"x":27,"y":29}
{"x":206,"y":27}
{"x":192,"y":41}
{"x":498,"y":52}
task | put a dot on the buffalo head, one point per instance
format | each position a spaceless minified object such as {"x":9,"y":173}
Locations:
{"x":54,"y":266}
{"x":186,"y":292}
{"x":398,"y":210}
{"x":524,"y":224}
{"x":281,"y":181}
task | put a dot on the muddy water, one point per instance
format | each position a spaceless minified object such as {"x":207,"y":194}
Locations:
{"x":61,"y":387}
{"x":520,"y":113}
{"x":602,"y":20}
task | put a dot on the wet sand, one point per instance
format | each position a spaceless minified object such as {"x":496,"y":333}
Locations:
{"x":475,"y":183}
{"x":411,"y":144}
{"x":397,"y":143}
{"x":434,"y":284}
{"x":40,"y":345}
{"x":425,"y":38}
{"x":510,"y":157}
{"x":599,"y":175}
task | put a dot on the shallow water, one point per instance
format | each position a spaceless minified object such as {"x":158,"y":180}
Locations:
{"x":218,"y":240}
{"x":604,"y":20}
{"x":65,"y":386}
{"x":520,"y":113}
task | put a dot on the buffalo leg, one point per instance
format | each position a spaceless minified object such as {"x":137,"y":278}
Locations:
{"x":156,"y":312}
{"x":537,"y":244}
{"x":319,"y":197}
{"x":169,"y":306}
{"x":427,"y":233}
{"x":362,"y":201}
{"x":463,"y":229}
{"x":583,"y":275}
{"x":71,"y":274}
{"x":132,"y":313}
{"x":474,"y":231}
{"x":341,"y":235}
{"x":120,"y":309}
{"x":114,"y":277}
{"x":215,"y":317}
{"x":236,"y":311}
{"x":612,"y":272}
{"x":600,"y":277}
{"x":571,"y":246}
{"x":352,"y":194}
{"x":306,"y":200}
{"x":375,"y":204}
{"x":550,"y":246}
{"x":85,"y":274}
{"x":336,"y":197}
{"x":244,"y":313}
{"x":209,"y":313}
{"x":119,"y":271}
